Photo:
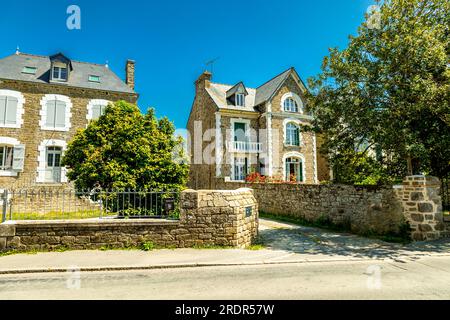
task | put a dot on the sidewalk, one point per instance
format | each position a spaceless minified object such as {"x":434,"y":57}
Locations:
{"x":93,"y":260}
{"x":286,"y":244}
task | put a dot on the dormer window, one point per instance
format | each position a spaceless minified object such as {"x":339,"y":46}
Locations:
{"x":240,"y":100}
{"x":60,"y":73}
{"x":60,"y":68}
{"x":236,"y":95}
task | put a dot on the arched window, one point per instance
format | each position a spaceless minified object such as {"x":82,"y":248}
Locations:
{"x":292,"y":134}
{"x":290,"y":105}
{"x":294,"y":169}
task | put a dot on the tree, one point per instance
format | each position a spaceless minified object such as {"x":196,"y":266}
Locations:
{"x":125,"y":149}
{"x":390,"y":88}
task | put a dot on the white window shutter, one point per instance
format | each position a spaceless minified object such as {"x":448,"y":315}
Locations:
{"x":96,"y":112}
{"x":60,"y":118}
{"x":50,"y":122}
{"x":19,"y":157}
{"x":2,"y":109}
{"x":11,"y":110}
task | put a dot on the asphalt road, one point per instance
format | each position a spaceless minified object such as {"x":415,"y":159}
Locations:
{"x":425,"y":278}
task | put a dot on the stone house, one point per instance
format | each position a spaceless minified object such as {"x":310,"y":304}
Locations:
{"x":235,"y":130}
{"x":44,"y":100}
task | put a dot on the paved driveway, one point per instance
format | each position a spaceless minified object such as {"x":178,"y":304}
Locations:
{"x":296,"y":240}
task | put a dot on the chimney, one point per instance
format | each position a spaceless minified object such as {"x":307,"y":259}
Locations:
{"x":204,"y":80}
{"x":129,"y":71}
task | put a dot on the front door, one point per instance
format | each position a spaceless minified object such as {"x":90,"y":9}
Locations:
{"x":53,"y":170}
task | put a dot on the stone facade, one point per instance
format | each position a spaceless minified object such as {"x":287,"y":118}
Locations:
{"x":210,"y":128}
{"x":365,"y":209}
{"x":32,"y":136}
{"x":225,"y":218}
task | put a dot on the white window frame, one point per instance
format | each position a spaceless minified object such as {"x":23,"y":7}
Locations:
{"x":43,"y":112}
{"x":19,"y":110}
{"x":298,"y":123}
{"x":289,"y":135}
{"x":240,"y":97}
{"x":60,"y":78}
{"x":42,"y":159}
{"x":92,"y":103}
{"x":294,"y":155}
{"x":233,"y":165}
{"x":296,"y":98}
{"x":10,"y":142}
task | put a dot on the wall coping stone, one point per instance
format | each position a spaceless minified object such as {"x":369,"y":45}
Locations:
{"x":94,"y":222}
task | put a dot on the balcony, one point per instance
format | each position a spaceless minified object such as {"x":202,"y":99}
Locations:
{"x":244,"y":146}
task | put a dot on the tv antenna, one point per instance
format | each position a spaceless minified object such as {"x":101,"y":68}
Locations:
{"x":211,"y":63}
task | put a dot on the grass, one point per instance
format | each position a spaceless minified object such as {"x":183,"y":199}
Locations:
{"x":402,"y":236}
{"x":58,"y":215}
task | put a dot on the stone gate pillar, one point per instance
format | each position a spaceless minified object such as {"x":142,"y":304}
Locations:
{"x":422,"y":206}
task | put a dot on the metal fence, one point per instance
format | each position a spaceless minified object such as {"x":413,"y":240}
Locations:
{"x":65,"y":204}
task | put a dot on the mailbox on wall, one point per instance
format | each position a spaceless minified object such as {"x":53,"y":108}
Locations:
{"x":169,"y":205}
{"x":248,"y":211}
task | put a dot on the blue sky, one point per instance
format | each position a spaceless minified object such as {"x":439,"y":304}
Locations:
{"x":171,"y":40}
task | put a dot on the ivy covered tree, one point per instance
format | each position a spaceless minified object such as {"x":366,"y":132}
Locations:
{"x":125,"y":149}
{"x":390,"y":89}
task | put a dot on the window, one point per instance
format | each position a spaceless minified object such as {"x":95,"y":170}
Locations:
{"x":240,"y":100}
{"x":8,"y":110}
{"x":97,"y":111}
{"x":56,"y":114}
{"x":290,"y":105}
{"x":240,"y":169}
{"x":294,"y":170}
{"x":94,"y":78}
{"x":6,"y":157}
{"x":292,"y":134}
{"x":59,"y":73}
{"x":29,"y":70}
{"x":240,"y":132}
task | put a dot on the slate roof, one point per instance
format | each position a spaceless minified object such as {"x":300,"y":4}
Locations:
{"x":11,"y":68}
{"x":218,"y":92}
{"x":265,"y":91}
{"x":255,"y":97}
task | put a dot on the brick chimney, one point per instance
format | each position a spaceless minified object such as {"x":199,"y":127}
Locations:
{"x":203,"y":81}
{"x":129,"y":71}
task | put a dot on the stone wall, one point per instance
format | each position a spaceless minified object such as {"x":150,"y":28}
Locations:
{"x":226,"y":218}
{"x":365,"y":209}
{"x":422,"y":206}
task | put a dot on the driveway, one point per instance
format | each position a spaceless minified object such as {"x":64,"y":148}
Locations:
{"x":299,"y":240}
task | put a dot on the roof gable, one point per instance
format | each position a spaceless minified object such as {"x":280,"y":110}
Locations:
{"x":266,"y":91}
{"x":238,"y":88}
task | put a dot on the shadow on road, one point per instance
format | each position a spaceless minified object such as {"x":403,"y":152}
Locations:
{"x":309,"y":240}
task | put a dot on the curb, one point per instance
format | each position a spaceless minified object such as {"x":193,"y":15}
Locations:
{"x":168,"y":266}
